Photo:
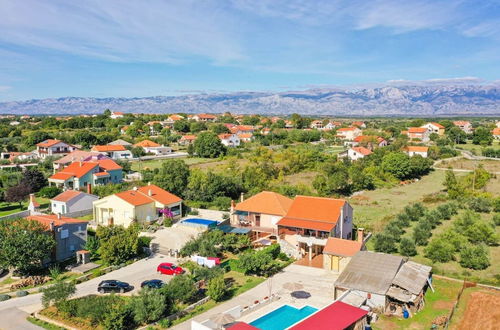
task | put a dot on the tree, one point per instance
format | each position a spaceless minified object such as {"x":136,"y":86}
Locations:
{"x":117,"y":244}
{"x":137,"y":152}
{"x":180,"y":289}
{"x":407,"y":247}
{"x":208,"y":145}
{"x":37,"y":137}
{"x":197,"y":126}
{"x":173,"y":176}
{"x":49,"y":192}
{"x":482,"y":136}
{"x":219,"y":129}
{"x":384,"y":243}
{"x":57,"y":293}
{"x":440,"y":250}
{"x":398,"y":164}
{"x":216,"y":288}
{"x":419,"y":166}
{"x":24,"y":244}
{"x":474,"y":257}
{"x":457,"y":135}
{"x":17,"y":194}
{"x":34,"y":179}
{"x":148,"y":306}
{"x":92,"y":245}
{"x":85,"y":138}
{"x":421,"y":233}
{"x":181,"y":126}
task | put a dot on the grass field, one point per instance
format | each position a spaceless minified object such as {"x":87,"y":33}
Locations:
{"x":437,"y":304}
{"x":476,"y":148}
{"x":9,"y":208}
{"x":469,"y":164}
{"x":156,"y":163}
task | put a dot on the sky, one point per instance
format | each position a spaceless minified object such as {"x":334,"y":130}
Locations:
{"x":128,"y":48}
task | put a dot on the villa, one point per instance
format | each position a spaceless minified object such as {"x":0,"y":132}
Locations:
{"x":435,"y":128}
{"x":153,"y":148}
{"x":417,"y":150}
{"x":348,"y":133}
{"x":356,"y":153}
{"x":52,"y":147}
{"x":465,"y":126}
{"x":115,"y":151}
{"x":204,"y":117}
{"x":369,"y":141}
{"x":418,"y":133}
{"x":187,"y":140}
{"x":116,"y":114}
{"x":229,"y":140}
{"x":77,"y":155}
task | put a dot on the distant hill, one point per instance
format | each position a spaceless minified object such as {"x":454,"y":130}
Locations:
{"x":388,"y":100}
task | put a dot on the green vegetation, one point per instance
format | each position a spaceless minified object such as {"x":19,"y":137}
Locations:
{"x":43,"y":324}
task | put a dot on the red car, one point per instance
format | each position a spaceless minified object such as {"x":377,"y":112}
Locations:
{"x":168,"y":268}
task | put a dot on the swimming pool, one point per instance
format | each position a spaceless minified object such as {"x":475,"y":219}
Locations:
{"x":283,"y":317}
{"x":198,"y":222}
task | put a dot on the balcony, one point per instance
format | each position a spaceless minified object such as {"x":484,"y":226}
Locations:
{"x":311,"y":240}
{"x":250,"y":225}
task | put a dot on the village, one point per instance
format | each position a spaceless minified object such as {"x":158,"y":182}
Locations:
{"x":133,"y":203}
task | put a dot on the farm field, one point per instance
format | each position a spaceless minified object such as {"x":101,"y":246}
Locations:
{"x":478,"y":308}
{"x":469,"y":164}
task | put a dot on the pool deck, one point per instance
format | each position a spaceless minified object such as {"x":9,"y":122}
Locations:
{"x":318,"y":282}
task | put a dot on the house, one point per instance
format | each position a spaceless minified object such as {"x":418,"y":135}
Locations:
{"x":156,"y":123}
{"x":310,"y":221}
{"x":229,"y":140}
{"x":153,"y":148}
{"x":417,"y":150}
{"x":204,"y":117}
{"x":14,"y":156}
{"x":465,"y":126}
{"x":120,"y":142}
{"x":143,"y":205}
{"x":52,"y":147}
{"x":71,"y":201}
{"x":331,"y":125}
{"x":70,"y":234}
{"x":242,"y":129}
{"x":33,"y":205}
{"x":369,"y":141}
{"x":246,"y":137}
{"x":418,"y":133}
{"x":336,"y":316}
{"x":496,"y":133}
{"x":77,"y":155}
{"x":187,"y":140}
{"x":348,"y":133}
{"x":260,"y":212}
{"x":79,"y":174}
{"x":359,"y":124}
{"x":115,"y":151}
{"x":356,"y":153}
{"x":338,"y":252}
{"x":124,"y":129}
{"x":317,"y":124}
{"x":434,"y":128}
{"x":116,"y":114}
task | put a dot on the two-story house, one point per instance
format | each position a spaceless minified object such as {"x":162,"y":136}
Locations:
{"x":52,"y":147}
{"x":115,"y":151}
{"x":229,"y":140}
{"x":79,"y":174}
{"x":356,"y":153}
{"x":434,"y":128}
{"x":348,"y":133}
{"x":418,"y":133}
{"x":417,"y":150}
{"x":310,"y":221}
{"x":464,"y":125}
{"x":205,"y":117}
{"x":77,"y":155}
{"x":151,"y":147}
{"x":369,"y":141}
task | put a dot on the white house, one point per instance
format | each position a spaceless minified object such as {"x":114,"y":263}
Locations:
{"x":348,"y":133}
{"x":116,"y":114}
{"x":116,"y":151}
{"x":153,"y":148}
{"x":356,"y":153}
{"x":464,"y":125}
{"x":72,"y":201}
{"x":230,"y":140}
{"x":417,"y":150}
{"x":52,"y":147}
{"x":434,"y":128}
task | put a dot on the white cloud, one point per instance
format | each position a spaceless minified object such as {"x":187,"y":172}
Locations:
{"x":135,"y":31}
{"x":4,"y":88}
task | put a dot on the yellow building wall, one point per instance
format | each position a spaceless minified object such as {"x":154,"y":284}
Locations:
{"x":122,"y":212}
{"x":145,"y":213}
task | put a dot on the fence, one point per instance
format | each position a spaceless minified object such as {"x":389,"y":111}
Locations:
{"x":16,"y":215}
{"x":77,"y":214}
{"x":457,"y":301}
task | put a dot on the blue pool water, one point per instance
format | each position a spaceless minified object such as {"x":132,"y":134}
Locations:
{"x":283,"y":317}
{"x":200,"y":222}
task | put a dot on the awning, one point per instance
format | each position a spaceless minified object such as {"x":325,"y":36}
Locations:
{"x":306,"y":224}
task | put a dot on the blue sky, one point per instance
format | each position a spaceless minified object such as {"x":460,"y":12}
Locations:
{"x":131,"y":48}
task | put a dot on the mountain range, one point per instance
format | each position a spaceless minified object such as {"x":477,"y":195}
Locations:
{"x":384,"y":100}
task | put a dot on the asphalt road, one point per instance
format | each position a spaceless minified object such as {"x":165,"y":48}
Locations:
{"x":13,"y":312}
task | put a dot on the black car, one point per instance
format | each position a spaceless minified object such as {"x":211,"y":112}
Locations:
{"x":152,"y":284}
{"x":113,"y":286}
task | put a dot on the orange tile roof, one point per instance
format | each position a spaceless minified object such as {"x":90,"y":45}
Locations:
{"x":101,"y":174}
{"x":496,"y":131}
{"x":316,"y":209}
{"x":417,"y":130}
{"x":117,"y":147}
{"x":207,"y":116}
{"x":66,"y":196}
{"x":266,"y":202}
{"x":160,"y":195}
{"x":225,"y":136}
{"x":417,"y":148}
{"x":461,"y":123}
{"x":146,"y":144}
{"x":175,"y":117}
{"x":437,"y":125}
{"x":245,"y":135}
{"x":368,"y":138}
{"x":77,"y":169}
{"x":46,"y":219}
{"x":61,"y":176}
{"x":306,"y":224}
{"x":48,"y":143}
{"x":134,"y":197}
{"x":117,"y":113}
{"x":362,"y":150}
{"x":188,"y":137}
{"x":342,"y":247}
{"x":347,"y":129}
{"x":108,"y":164}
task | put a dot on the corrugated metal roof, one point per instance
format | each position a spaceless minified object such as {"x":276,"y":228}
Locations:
{"x":370,"y":272}
{"x":412,"y":277}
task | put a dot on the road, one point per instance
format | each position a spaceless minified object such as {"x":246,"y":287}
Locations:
{"x":13,"y":312}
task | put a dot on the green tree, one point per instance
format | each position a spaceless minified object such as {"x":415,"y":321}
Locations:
{"x":34,"y":179}
{"x":474,"y":257}
{"x":440,"y":250}
{"x":173,"y":176}
{"x":24,"y":244}
{"x":219,"y":129}
{"x":181,"y":126}
{"x":482,"y":136}
{"x":216,"y":288}
{"x":456,"y":135}
{"x":148,"y":306}
{"x":137,"y":152}
{"x":385,"y":243}
{"x":422,"y":233}
{"x":57,"y":293}
{"x":197,"y":126}
{"x":398,"y":164}
{"x":208,"y":145}
{"x":180,"y":289}
{"x":407,"y":247}
{"x":37,"y":137}
{"x":117,"y":244}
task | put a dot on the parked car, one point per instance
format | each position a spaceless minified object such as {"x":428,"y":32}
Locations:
{"x":168,"y":268}
{"x":113,"y":286}
{"x":152,"y":284}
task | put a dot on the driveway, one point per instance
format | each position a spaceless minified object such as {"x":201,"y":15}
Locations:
{"x":15,"y":309}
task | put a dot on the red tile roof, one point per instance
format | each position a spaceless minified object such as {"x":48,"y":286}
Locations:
{"x":108,"y":164}
{"x":306,"y":224}
{"x":146,"y":144}
{"x":116,"y":147}
{"x":101,"y":174}
{"x":417,"y":148}
{"x":207,"y":116}
{"x":46,"y":219}
{"x":225,"y":136}
{"x":66,"y":196}
{"x":61,"y":176}
{"x":316,"y":208}
{"x":242,"y":326}
{"x":188,"y":137}
{"x":77,"y":169}
{"x":342,"y":247}
{"x":48,"y":143}
{"x":368,"y":138}
{"x":134,"y":197}
{"x":496,"y":131}
{"x":266,"y":202}
{"x":461,"y":123}
{"x":337,"y":316}
{"x":347,"y":129}
{"x":160,"y":195}
{"x":417,"y":130}
{"x":437,"y":125}
{"x":245,"y":135}
{"x":362,"y":150}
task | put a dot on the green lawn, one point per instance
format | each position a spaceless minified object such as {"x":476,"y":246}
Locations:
{"x":157,"y":163}
{"x":477,"y":148}
{"x":9,"y":208}
{"x":437,"y":303}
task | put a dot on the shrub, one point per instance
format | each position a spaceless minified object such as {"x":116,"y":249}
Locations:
{"x":407,"y":247}
{"x":206,"y":274}
{"x":415,"y":211}
{"x":180,"y":289}
{"x":118,"y":318}
{"x":94,"y":308}
{"x":57,"y":293}
{"x":496,"y":219}
{"x":22,"y":293}
{"x":440,"y":250}
{"x":4,"y":297}
{"x":148,"y":306}
{"x":480,"y":204}
{"x":216,"y":288}
{"x":393,"y":229}
{"x":49,"y":192}
{"x":422,"y":232}
{"x":474,"y":257}
{"x":384,"y":243}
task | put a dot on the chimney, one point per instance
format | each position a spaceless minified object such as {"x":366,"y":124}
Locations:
{"x":232,"y":206}
{"x":89,"y":189}
{"x":150,"y":192}
{"x":361,"y":234}
{"x":51,"y":226}
{"x":32,"y":198}
{"x":242,"y":197}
